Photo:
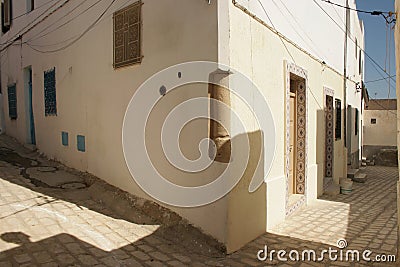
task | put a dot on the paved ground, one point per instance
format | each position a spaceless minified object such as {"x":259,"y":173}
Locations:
{"x":48,"y":226}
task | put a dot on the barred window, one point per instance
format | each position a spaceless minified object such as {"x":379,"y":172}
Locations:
{"x":127,"y":36}
{"x":338,"y":124}
{"x":356,"y":122}
{"x":12,"y":101}
{"x":50,"y":100}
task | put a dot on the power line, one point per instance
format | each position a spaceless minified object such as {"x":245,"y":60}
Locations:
{"x":35,"y":22}
{"x":340,"y":27}
{"x":37,"y":8}
{"x":299,"y":25}
{"x":50,"y":25}
{"x":383,"y":77}
{"x":78,"y":38}
{"x":287,"y":49}
{"x":374,"y":13}
{"x":70,"y":38}
{"x":13,"y":38}
{"x":377,"y":80}
{"x":273,"y":26}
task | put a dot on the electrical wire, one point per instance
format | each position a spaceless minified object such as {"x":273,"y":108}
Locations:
{"x":290,"y":54}
{"x":340,"y":27}
{"x":12,"y":39}
{"x":377,"y":80}
{"x":50,"y":25}
{"x":374,"y":13}
{"x":273,"y":26}
{"x":35,"y":22}
{"x":36,"y":8}
{"x":383,"y":77}
{"x":299,"y":26}
{"x":78,"y":38}
{"x":70,"y":38}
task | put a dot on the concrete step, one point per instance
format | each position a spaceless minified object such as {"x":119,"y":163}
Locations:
{"x":360,"y":178}
{"x":351,"y":173}
{"x":332,"y":190}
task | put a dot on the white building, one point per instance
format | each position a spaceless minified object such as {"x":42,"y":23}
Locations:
{"x":380,"y":126}
{"x":68,"y":72}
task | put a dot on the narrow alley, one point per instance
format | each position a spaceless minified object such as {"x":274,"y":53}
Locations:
{"x":45,"y":224}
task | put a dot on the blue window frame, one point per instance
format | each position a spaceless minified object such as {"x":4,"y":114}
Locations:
{"x":80,"y":141}
{"x":50,"y":99}
{"x":64,"y":138}
{"x":12,"y":101}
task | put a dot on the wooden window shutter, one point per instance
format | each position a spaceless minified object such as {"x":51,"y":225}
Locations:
{"x":127,"y":25}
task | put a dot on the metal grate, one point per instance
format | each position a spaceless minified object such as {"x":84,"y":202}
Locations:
{"x":12,"y":101}
{"x":50,"y":100}
{"x":127,"y":36}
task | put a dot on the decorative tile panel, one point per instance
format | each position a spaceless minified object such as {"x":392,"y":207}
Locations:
{"x":301,"y":137}
{"x":329,"y":144}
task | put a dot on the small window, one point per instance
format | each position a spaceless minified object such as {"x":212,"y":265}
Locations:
{"x":338,"y":124}
{"x":373,"y":121}
{"x":30,"y":5}
{"x":127,"y":27}
{"x":6,"y":12}
{"x":50,"y":99}
{"x":64,"y":138}
{"x":12,"y":101}
{"x":356,"y":124}
{"x":80,"y":142}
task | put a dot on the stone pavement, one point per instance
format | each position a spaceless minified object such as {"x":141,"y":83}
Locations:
{"x":42,"y":225}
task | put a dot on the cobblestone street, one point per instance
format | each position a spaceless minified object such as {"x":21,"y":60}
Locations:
{"x":42,"y":226}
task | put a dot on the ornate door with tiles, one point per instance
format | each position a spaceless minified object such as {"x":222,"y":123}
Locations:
{"x":329,"y":136}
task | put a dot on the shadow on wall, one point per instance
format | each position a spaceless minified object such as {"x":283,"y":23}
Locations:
{"x":322,"y":142}
{"x":245,"y":210}
{"x":363,"y":216}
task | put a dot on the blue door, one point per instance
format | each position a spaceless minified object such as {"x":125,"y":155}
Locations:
{"x":31,"y":118}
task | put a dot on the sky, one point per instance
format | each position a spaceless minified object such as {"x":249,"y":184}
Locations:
{"x":375,"y":47}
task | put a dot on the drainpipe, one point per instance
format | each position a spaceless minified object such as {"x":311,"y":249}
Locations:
{"x":345,"y":83}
